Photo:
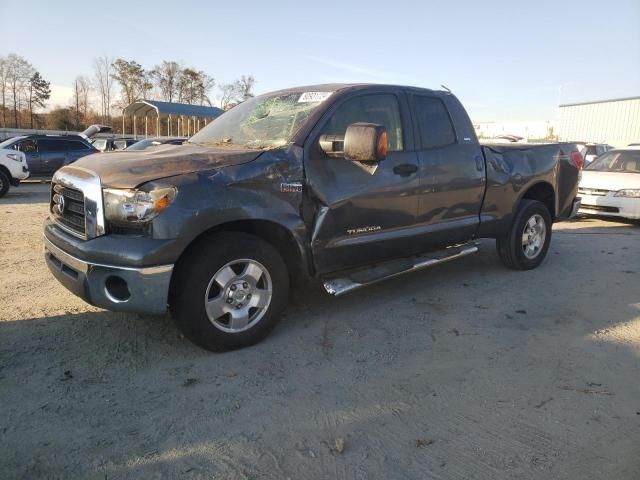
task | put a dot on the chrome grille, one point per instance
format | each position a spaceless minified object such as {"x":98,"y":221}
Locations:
{"x":67,"y":208}
{"x":80,"y":191}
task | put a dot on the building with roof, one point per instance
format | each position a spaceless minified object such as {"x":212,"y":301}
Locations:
{"x":615,"y":121}
{"x":167,"y":118}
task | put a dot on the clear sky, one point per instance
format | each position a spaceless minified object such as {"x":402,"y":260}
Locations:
{"x":506,"y":60}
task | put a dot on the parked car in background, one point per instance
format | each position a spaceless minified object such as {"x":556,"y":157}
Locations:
{"x":13,"y":168}
{"x":153,"y":142}
{"x":47,"y":153}
{"x":591,"y":151}
{"x":112,"y":144}
{"x":611,"y":184}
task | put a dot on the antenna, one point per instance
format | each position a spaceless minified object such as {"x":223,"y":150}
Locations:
{"x":446,"y":88}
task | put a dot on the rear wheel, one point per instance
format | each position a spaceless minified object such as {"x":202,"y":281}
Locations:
{"x":5,"y":181}
{"x":229,"y":291}
{"x":526,"y":244}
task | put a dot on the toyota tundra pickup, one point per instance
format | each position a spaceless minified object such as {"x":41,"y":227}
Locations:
{"x":348,"y":184}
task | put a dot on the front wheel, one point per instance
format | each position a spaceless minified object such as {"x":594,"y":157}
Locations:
{"x":228,"y":291}
{"x":526,"y":244}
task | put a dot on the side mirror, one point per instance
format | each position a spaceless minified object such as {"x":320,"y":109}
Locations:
{"x":363,"y":142}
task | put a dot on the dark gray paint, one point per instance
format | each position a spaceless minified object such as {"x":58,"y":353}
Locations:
{"x":457,"y":193}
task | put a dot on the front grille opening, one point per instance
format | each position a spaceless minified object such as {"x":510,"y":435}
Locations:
{"x":62,"y":267}
{"x":55,"y":261}
{"x":69,"y":271}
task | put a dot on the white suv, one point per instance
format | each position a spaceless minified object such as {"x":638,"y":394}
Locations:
{"x":13,"y":168}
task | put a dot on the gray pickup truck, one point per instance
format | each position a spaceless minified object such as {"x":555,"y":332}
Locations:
{"x":349,"y":184}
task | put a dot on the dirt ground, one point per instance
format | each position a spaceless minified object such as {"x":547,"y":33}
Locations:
{"x":464,"y":371}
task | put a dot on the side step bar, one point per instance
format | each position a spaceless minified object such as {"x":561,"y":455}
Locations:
{"x":367,"y":276}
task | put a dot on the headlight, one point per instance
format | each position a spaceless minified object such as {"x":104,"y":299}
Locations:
{"x":629,"y":193}
{"x":15,"y":156}
{"x":135,"y":206}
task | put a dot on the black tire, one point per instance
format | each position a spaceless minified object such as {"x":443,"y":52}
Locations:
{"x":194,"y":275}
{"x":5,"y":181}
{"x":510,"y":247}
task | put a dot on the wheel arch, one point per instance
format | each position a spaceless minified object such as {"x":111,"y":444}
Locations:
{"x":542,"y":192}
{"x":286,"y":242}
{"x":6,"y":171}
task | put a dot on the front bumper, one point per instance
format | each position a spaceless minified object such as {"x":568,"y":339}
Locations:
{"x":611,"y":206}
{"x":116,"y":288}
{"x":19,"y":172}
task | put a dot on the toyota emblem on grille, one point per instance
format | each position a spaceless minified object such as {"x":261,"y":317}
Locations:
{"x":58,"y":200}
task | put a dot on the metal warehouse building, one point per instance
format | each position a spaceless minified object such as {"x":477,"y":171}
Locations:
{"x":616,"y":121}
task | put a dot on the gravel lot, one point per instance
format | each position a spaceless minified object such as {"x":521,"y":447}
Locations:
{"x":467,"y":370}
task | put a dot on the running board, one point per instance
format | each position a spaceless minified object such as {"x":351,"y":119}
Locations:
{"x":367,"y":276}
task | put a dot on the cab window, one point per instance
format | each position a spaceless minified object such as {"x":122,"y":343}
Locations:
{"x":381,"y":109}
{"x":434,"y":123}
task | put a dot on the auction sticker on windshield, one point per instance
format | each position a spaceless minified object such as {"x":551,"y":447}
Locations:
{"x":312,"y":97}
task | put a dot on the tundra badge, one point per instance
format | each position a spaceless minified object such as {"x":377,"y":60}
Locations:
{"x":291,"y":187}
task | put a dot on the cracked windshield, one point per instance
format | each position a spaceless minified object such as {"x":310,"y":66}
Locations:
{"x":262,"y":123}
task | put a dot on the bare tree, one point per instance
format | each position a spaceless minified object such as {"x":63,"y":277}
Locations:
{"x":227,"y":95}
{"x":103,"y":71}
{"x":244,"y":87}
{"x":132,"y":78}
{"x":19,"y":72}
{"x":81,"y":92}
{"x":166,"y":77}
{"x":39,"y":93}
{"x":3,"y":89}
{"x":236,"y":92}
{"x":194,"y":86}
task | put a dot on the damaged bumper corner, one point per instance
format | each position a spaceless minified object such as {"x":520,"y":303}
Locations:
{"x":575,"y":207}
{"x":116,"y":288}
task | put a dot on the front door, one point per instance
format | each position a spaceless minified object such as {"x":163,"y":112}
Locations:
{"x":361,"y":211}
{"x":30,"y":149}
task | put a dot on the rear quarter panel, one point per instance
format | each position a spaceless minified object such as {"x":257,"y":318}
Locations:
{"x":513,"y":170}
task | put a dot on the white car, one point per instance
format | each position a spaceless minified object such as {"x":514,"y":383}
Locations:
{"x":13,"y":168}
{"x":611,"y":184}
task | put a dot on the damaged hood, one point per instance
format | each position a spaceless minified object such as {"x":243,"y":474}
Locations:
{"x":126,"y":169}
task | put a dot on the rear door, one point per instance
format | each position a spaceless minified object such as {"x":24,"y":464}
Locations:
{"x":362,"y":212}
{"x":52,"y":153}
{"x":451,"y":173}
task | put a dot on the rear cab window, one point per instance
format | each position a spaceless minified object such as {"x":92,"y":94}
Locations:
{"x":434,"y":125}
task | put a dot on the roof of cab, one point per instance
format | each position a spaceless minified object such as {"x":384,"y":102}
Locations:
{"x":335,"y":87}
